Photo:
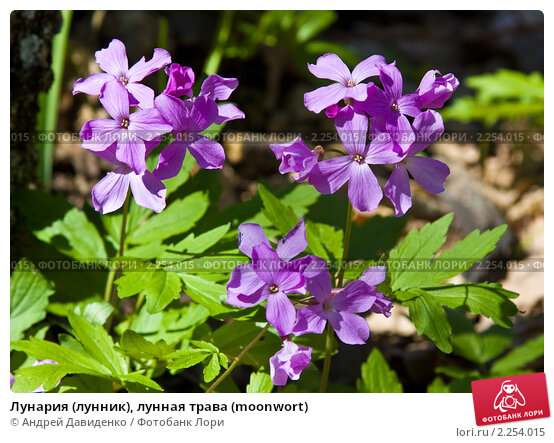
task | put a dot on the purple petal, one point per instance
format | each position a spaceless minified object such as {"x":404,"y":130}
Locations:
{"x":218,"y":88}
{"x":329,"y":175}
{"x":143,"y":68}
{"x":409,"y":105}
{"x":142,"y":94}
{"x":100,"y":133}
{"x":228,"y":112}
{"x":382,"y":304}
{"x":109,"y":193}
{"x":398,"y":191}
{"x":392,"y":81}
{"x":319,"y":285}
{"x":428,"y":127}
{"x":148,"y":191}
{"x":108,"y":154}
{"x":350,"y":328}
{"x":401,"y":131}
{"x":115,"y":99}
{"x":250,"y":235}
{"x":173,"y":110}
{"x":367,"y":68}
{"x":374,"y":275}
{"x":352,"y":128}
{"x":245,"y":289}
{"x":170,"y":161}
{"x":310,"y":320}
{"x":376,"y":103}
{"x":428,"y":172}
{"x":208,"y":153}
{"x":293,"y":243}
{"x":201,"y":114}
{"x":148,"y":124}
{"x":267,"y":264}
{"x":433,"y":91}
{"x":180,"y":81}
{"x":321,"y":98}
{"x":113,"y":59}
{"x":358,"y":92}
{"x":288,"y":279}
{"x":92,"y":84}
{"x":364,"y":191}
{"x":331,"y":67}
{"x":280,"y":313}
{"x":131,"y":151}
{"x":357,"y":296}
{"x":381,"y":151}
{"x":295,"y":157}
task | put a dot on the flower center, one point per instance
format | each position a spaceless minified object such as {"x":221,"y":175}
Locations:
{"x":349,"y":101}
{"x":273,"y":289}
{"x":350,"y":83}
{"x":358,"y":158}
{"x":394,"y":107}
{"x":123,"y":80}
{"x":125,"y":123}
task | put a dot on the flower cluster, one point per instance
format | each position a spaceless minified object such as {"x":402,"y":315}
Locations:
{"x":299,"y":295}
{"x":383,"y":114}
{"x":139,"y":120}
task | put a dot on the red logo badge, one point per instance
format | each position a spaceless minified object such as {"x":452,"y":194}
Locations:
{"x":500,"y":400}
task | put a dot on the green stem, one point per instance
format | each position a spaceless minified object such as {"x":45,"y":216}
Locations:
{"x":49,"y":103}
{"x":346,"y":245}
{"x":136,"y":308}
{"x":163,"y":34}
{"x":211,"y":66}
{"x":327,"y":362}
{"x":115,"y":271}
{"x":237,"y":359}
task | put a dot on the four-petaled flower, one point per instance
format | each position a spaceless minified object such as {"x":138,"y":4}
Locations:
{"x":289,"y":362}
{"x":113,"y":61}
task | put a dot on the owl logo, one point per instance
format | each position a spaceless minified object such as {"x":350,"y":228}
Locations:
{"x":509,"y":397}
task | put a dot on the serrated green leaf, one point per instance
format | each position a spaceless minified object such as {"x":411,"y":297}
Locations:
{"x":260,"y":382}
{"x":29,"y":293}
{"x":96,"y":312}
{"x":416,"y":248}
{"x":197,"y":245}
{"x":74,"y":236}
{"x":464,"y":254}
{"x":133,"y":282}
{"x":136,"y":377}
{"x":430,"y":319}
{"x":520,"y":356}
{"x":187,"y":358}
{"x":377,"y":376}
{"x":177,"y":218}
{"x":206,"y":293}
{"x":211,"y":370}
{"x":98,"y":343}
{"x":135,"y":345}
{"x":30,"y":378}
{"x":488,"y":299}
{"x":162,"y":289}
{"x":282,"y":216}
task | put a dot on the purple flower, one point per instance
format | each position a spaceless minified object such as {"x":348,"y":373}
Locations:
{"x":296,"y":157}
{"x":392,"y":105}
{"x":338,"y":307}
{"x":289,"y":362}
{"x":180,"y":81}
{"x":330,"y":66}
{"x":373,"y":276}
{"x":332,"y":111}
{"x":271,"y":275}
{"x":113,"y":61}
{"x":220,"y":88}
{"x":435,"y":89}
{"x":128,"y":131}
{"x":328,"y":176}
{"x":109,"y":194}
{"x":12,"y":380}
{"x":188,"y":118}
{"x":429,"y":173}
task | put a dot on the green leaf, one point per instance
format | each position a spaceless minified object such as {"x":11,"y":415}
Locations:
{"x":74,"y":236}
{"x":136,"y":377}
{"x":30,"y":378}
{"x":430,"y":319}
{"x":488,"y":299}
{"x":211,"y":370}
{"x":98,"y":344}
{"x":377,"y":376}
{"x":438,"y":386}
{"x":96,"y":312}
{"x":187,"y":358}
{"x":133,"y":282}
{"x":416,"y":248}
{"x":520,"y":356}
{"x":260,"y":382}
{"x":197,"y":245}
{"x":457,"y":372}
{"x":280,"y":215}
{"x":311,"y":23}
{"x":29,"y":292}
{"x":136,"y":346}
{"x":162,"y":289}
{"x":177,"y":218}
{"x":206,"y":293}
{"x":464,"y":254}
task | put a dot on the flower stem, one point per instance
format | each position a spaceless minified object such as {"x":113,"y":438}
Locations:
{"x":237,"y":359}
{"x":327,"y":362}
{"x":115,"y":271}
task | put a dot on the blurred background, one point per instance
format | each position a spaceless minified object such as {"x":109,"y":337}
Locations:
{"x":493,"y":142}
